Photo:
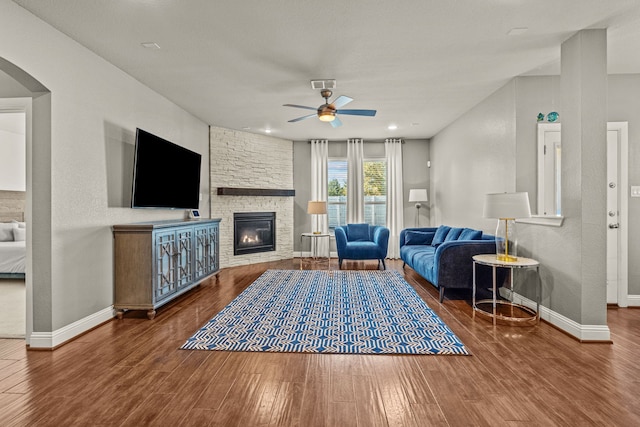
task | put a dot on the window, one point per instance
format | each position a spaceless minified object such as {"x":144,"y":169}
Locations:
{"x":375,"y":192}
{"x":337,"y":192}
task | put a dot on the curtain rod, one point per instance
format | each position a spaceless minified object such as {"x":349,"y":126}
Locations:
{"x":369,"y":140}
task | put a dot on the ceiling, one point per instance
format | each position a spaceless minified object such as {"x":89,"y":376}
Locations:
{"x":420,"y":63}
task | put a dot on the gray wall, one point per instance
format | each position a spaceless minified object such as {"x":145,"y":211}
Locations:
{"x":415,"y":154}
{"x":501,"y":132}
{"x":83,"y":134}
{"x":473,"y":156}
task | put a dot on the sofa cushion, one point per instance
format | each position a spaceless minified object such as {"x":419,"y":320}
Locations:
{"x":453,"y":234}
{"x":358,"y":232}
{"x":418,"y":237}
{"x":441,"y":234}
{"x":470,"y":234}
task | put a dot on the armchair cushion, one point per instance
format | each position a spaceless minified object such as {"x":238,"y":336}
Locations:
{"x":358,"y":232}
{"x":441,"y":234}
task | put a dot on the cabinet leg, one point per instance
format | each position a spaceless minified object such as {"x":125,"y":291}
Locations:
{"x":119,"y":314}
{"x":151,"y":314}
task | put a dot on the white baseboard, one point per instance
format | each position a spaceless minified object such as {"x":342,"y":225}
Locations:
{"x":581,"y":332}
{"x":633,"y":300}
{"x":64,"y":334}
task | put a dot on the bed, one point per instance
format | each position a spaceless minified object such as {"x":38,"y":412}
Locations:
{"x":13,"y":250}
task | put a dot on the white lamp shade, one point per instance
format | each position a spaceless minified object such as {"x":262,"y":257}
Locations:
{"x":507,"y":205}
{"x":316,"y":207}
{"x":418,"y":195}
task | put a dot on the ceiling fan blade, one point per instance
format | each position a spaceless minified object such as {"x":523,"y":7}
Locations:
{"x":370,"y":113}
{"x":303,"y":118}
{"x":299,"y":106}
{"x":336,"y":122}
{"x":341,"y":101}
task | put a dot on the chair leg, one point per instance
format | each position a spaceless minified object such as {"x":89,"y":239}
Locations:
{"x":340,"y":264}
{"x":384,"y":267}
{"x":441,"y":293}
{"x":403,"y":264}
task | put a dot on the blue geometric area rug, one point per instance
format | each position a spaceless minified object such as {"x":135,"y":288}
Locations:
{"x":312,"y":311}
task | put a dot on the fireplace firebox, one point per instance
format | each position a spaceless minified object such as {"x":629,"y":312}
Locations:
{"x":254,"y":232}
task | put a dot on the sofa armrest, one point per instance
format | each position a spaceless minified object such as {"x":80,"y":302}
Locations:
{"x":422,"y":229}
{"x":454,"y":263}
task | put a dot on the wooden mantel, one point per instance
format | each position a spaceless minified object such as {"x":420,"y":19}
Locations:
{"x":231,"y":191}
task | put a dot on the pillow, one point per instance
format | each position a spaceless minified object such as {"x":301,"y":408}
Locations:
{"x":470,"y":234}
{"x":20,"y":224}
{"x":453,"y":234}
{"x":417,"y":237}
{"x":441,"y":234}
{"x":358,"y":232}
{"x":6,"y":231}
{"x":19,"y":234}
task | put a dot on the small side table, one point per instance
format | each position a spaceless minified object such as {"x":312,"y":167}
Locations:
{"x":494,"y":263}
{"x":314,"y":246}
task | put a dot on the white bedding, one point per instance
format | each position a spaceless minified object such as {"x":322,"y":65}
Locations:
{"x":13,"y":257}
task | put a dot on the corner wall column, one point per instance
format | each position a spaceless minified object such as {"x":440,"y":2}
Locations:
{"x":584,"y":130}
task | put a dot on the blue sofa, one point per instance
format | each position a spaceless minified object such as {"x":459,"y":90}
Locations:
{"x":362,"y":241}
{"x":443,"y":255}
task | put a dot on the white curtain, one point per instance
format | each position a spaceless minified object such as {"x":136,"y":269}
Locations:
{"x":395,"y":204}
{"x":355,"y":181}
{"x":319,"y":182}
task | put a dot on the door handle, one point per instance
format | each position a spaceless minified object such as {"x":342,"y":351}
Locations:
{"x":614,"y":225}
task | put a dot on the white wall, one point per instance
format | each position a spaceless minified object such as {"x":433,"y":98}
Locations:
{"x":82,"y":155}
{"x":13,"y":151}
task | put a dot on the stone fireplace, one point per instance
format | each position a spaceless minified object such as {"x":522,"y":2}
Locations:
{"x":250,"y":161}
{"x":254,"y":232}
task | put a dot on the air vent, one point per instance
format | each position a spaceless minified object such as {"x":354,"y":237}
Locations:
{"x":323,"y":84}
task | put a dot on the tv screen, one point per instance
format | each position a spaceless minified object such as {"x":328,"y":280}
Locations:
{"x":165,"y":175}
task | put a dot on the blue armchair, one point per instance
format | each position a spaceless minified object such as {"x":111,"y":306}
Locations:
{"x":362,"y":241}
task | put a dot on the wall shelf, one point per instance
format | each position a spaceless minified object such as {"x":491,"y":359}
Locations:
{"x":232,"y":191}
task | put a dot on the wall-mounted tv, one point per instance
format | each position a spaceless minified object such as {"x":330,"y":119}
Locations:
{"x":165,"y":175}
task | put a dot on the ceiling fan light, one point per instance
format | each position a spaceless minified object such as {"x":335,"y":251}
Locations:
{"x":326,"y":116}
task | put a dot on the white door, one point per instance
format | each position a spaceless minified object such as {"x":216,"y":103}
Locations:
{"x":613,"y":217}
{"x":617,"y":168}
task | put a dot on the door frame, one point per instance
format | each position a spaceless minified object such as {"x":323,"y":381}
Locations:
{"x":623,"y":202}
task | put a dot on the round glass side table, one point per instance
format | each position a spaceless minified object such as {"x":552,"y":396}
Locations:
{"x":530,"y":315}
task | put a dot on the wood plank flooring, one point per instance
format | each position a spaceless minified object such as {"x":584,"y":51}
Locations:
{"x":130,"y":372}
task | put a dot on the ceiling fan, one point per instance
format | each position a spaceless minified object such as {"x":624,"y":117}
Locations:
{"x":327,"y":112}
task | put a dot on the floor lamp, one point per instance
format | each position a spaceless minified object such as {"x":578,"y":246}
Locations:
{"x":418,"y":195}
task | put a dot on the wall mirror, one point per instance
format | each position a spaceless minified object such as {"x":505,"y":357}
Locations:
{"x":549,"y":170}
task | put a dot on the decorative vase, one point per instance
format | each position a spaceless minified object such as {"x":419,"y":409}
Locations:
{"x":552,"y":116}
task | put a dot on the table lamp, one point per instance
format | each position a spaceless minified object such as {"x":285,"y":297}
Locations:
{"x":418,"y":195}
{"x":316,"y":207}
{"x":507,"y":207}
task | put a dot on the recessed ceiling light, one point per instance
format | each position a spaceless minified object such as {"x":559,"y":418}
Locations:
{"x":150,"y":45}
{"x":392,"y":127}
{"x":267,"y":131}
{"x":517,"y":31}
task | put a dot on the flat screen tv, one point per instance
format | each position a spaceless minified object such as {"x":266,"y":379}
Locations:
{"x":165,"y":175}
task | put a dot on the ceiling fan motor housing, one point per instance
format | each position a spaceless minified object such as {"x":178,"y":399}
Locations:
{"x":326,"y":112}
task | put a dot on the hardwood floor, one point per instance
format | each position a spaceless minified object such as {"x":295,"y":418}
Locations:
{"x":131,"y":373}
